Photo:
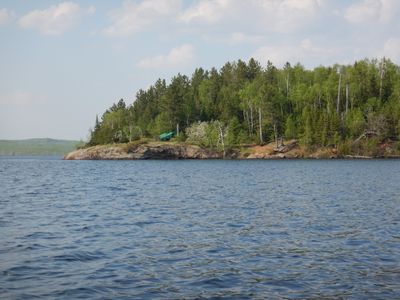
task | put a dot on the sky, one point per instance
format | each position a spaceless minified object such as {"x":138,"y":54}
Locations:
{"x":61,"y":63}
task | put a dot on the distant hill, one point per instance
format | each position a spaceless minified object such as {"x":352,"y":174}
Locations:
{"x":40,"y":146}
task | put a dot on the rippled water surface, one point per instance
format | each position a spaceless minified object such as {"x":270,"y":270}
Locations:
{"x":199,"y":229}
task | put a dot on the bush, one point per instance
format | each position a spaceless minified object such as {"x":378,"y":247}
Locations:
{"x":372,"y":146}
{"x":181,"y":137}
{"x":197,"y":133}
{"x":346,"y":147}
{"x":207,"y":134}
{"x":398,"y":146}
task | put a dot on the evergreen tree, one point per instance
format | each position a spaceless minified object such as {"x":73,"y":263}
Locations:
{"x":319,"y":107}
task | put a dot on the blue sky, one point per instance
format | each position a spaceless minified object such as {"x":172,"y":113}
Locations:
{"x":61,"y":63}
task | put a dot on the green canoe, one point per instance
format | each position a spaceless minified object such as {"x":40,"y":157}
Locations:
{"x":166,"y":136}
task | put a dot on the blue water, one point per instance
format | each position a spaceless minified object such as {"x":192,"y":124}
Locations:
{"x":199,"y":229}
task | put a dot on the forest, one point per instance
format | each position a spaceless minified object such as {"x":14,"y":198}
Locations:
{"x":339,"y":106}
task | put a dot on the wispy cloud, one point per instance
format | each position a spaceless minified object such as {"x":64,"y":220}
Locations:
{"x":5,"y":16}
{"x":91,"y":10}
{"x":391,"y":49}
{"x":372,"y":10}
{"x":234,"y":38}
{"x":233,"y":15}
{"x":267,"y":16}
{"x":281,"y":54}
{"x":208,"y":11}
{"x":288,"y":15}
{"x":133,"y":17}
{"x":240,"y":37}
{"x":54,"y":20}
{"x":178,"y":57}
{"x":363,"y":11}
{"x":22,"y":98}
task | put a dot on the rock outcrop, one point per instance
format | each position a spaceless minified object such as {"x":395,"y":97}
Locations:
{"x":143,"y":151}
{"x":270,"y":151}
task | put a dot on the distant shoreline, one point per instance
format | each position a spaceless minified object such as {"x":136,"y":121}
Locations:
{"x":38,"y":146}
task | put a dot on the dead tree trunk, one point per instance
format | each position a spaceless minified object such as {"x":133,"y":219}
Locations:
{"x":381,"y":75}
{"x":347,"y":97}
{"x":276,"y":135}
{"x":319,"y":100}
{"x":338,"y":96}
{"x":287,"y":87}
{"x":251,"y":119}
{"x":130,"y":132}
{"x":260,"y":125}
{"x":246,"y":118}
{"x":365,"y":134}
{"x":221,"y":138}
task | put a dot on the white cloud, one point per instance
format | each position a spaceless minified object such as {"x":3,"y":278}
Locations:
{"x":276,"y":54}
{"x":265,"y":15}
{"x":289,"y":15}
{"x":363,"y":11}
{"x":134,"y":17}
{"x":208,"y":11}
{"x":391,"y":50}
{"x":234,"y":38}
{"x":5,"y":16}
{"x":279,"y":55}
{"x":233,"y":15}
{"x":22,"y":98}
{"x":239,"y":38}
{"x":91,"y":10}
{"x":54,"y":20}
{"x":178,"y":57}
{"x":372,"y":10}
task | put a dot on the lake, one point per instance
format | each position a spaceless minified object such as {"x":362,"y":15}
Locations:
{"x":199,"y":229}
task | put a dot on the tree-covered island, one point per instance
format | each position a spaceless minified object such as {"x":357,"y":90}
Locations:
{"x":245,"y":110}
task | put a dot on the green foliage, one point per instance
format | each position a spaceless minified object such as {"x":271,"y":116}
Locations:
{"x":371,"y":146}
{"x":397,"y":146}
{"x":290,"y":131}
{"x":181,"y":137}
{"x":233,"y":132}
{"x":263,"y":104}
{"x":162,"y":124}
{"x":307,"y":136}
{"x":355,"y":123}
{"x":132,"y":133}
{"x":346,"y":148}
{"x":212,"y":135}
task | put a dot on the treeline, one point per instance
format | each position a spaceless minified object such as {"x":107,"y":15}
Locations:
{"x":326,"y":106}
{"x":40,"y":146}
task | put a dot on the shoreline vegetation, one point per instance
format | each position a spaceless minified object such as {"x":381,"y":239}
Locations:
{"x":245,"y":110}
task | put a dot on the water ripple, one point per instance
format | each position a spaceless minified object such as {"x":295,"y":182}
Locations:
{"x":199,"y":229}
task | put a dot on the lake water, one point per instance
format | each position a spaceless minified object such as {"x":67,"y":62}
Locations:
{"x":199,"y":229}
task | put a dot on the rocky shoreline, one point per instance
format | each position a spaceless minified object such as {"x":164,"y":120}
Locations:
{"x":175,"y":150}
{"x":143,"y":151}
